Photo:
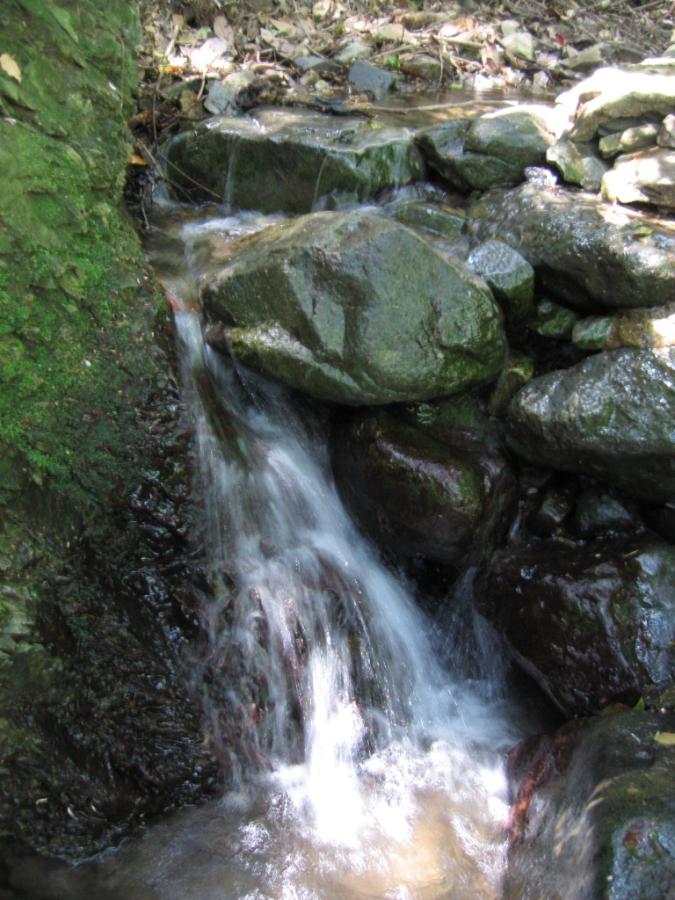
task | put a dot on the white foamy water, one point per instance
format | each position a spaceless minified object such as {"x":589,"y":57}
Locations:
{"x":359,"y":765}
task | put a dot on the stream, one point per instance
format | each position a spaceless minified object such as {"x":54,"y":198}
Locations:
{"x":364,"y":745}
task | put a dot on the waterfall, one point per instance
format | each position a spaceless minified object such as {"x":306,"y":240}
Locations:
{"x":360,"y":762}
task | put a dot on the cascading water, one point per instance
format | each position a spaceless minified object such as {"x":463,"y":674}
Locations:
{"x":359,"y":765}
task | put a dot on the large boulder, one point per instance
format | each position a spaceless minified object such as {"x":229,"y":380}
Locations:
{"x":355,"y":308}
{"x":586,"y":252}
{"x":445,"y":496}
{"x":594,"y":817}
{"x":593,"y":624}
{"x":610,"y":416}
{"x":289,"y":160}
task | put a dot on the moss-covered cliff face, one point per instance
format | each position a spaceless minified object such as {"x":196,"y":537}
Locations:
{"x":96,"y":728}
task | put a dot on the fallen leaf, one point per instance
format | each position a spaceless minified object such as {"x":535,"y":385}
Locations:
{"x":136,"y":160}
{"x":224,"y":31}
{"x":667,"y":738}
{"x":10,"y":66}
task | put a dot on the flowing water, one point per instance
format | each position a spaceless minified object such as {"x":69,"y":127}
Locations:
{"x":365,"y":756}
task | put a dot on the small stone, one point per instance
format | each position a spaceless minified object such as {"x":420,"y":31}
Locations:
{"x":553,"y":321}
{"x":421,"y":18}
{"x":317,"y":64}
{"x":552,"y":512}
{"x":515,"y":375}
{"x":629,"y":140}
{"x":597,"y":513}
{"x":439,"y":220}
{"x":592,"y":333}
{"x":365,"y":77}
{"x":577,"y":163}
{"x":223,"y":96}
{"x":390,"y":33}
{"x":421,"y":66}
{"x":666,"y":136}
{"x":519,"y":44}
{"x":508,"y":274}
{"x":588,"y":58}
{"x":353,"y":51}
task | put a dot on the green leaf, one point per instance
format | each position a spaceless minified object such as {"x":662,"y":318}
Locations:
{"x":667,"y":738}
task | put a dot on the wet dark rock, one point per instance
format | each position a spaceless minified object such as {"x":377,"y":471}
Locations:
{"x":551,"y":320}
{"x":516,"y":373}
{"x":588,"y":254}
{"x":355,"y":308}
{"x":555,"y":507}
{"x":594,"y":814}
{"x":440,"y":492}
{"x":610,"y":416}
{"x":598,"y":513}
{"x":592,"y":624}
{"x":365,"y":77}
{"x":643,"y":328}
{"x":662,"y":520}
{"x":509,"y":276}
{"x":289,"y":160}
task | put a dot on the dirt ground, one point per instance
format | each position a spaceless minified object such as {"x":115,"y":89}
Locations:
{"x":299,"y":52}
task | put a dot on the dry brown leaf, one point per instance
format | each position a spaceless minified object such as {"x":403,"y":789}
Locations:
{"x":10,"y":66}
{"x":136,"y":160}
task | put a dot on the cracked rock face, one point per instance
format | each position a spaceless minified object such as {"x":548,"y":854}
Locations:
{"x":357,"y":309}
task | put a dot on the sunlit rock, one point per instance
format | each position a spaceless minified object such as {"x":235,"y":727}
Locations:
{"x":492,"y":149}
{"x":288,"y":160}
{"x":585,"y":252}
{"x":578,"y":163}
{"x":610,"y":416}
{"x":644,"y":177}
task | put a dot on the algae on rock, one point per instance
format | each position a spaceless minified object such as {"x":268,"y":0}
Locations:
{"x":78,"y":364}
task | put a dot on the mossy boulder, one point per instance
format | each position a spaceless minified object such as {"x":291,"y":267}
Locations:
{"x":489,"y":150}
{"x":584,"y":252}
{"x":611,"y":416}
{"x":593,"y":624}
{"x":440,"y":493}
{"x":95,"y":724}
{"x":600,"y":822}
{"x":355,"y":308}
{"x":283,"y":160}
